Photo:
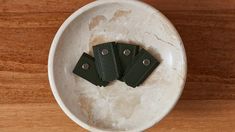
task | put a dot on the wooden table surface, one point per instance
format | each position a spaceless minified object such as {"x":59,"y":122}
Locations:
{"x":27,"y":28}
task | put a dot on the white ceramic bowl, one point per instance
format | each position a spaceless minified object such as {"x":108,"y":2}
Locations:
{"x":117,"y":107}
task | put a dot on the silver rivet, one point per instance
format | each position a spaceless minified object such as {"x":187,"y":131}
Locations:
{"x":146,"y":62}
{"x":104,"y":52}
{"x":126,"y":52}
{"x":85,"y":66}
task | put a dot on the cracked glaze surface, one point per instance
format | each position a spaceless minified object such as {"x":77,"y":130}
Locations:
{"x":117,"y":106}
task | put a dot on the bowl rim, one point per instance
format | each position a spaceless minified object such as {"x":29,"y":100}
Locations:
{"x":54,"y":47}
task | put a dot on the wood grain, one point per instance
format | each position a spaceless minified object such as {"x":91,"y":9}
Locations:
{"x":199,"y":115}
{"x":212,"y":116}
{"x":27,"y":28}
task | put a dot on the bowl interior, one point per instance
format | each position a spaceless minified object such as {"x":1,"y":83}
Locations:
{"x":118,"y":107}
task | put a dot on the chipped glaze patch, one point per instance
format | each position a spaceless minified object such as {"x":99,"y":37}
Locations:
{"x":120,"y":13}
{"x":96,"y":21}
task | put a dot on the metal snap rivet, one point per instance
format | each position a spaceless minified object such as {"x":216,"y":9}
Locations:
{"x":146,"y":62}
{"x":126,"y":52}
{"x":104,"y":52}
{"x":85,"y":66}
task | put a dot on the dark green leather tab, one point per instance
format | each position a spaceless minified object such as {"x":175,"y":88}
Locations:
{"x":86,"y":69}
{"x":107,"y":61}
{"x":143,"y":65}
{"x":126,"y":52}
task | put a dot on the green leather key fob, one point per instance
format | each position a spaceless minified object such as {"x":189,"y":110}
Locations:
{"x":127,"y":53}
{"x":86,"y":69}
{"x":107,"y":61}
{"x":143,"y":65}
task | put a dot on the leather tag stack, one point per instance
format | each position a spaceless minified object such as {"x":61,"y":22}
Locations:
{"x":114,"y":61}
